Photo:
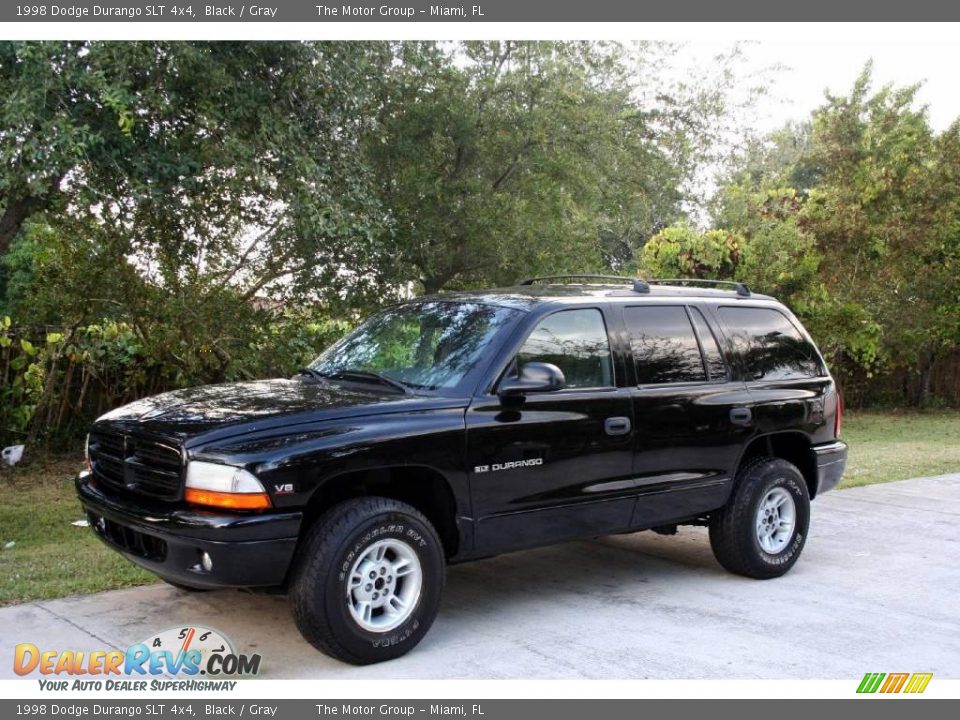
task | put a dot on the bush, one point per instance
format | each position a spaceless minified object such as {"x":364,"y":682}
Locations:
{"x":55,"y":381}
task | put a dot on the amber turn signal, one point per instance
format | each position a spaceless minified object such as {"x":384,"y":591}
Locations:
{"x":230,"y":501}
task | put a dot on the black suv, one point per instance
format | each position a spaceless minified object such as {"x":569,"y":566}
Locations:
{"x":464,"y":425}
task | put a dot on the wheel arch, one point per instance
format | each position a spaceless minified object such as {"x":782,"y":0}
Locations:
{"x":420,"y":486}
{"x":790,"y":445}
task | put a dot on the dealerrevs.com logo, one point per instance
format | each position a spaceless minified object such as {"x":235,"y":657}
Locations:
{"x":176,"y":652}
{"x":889,"y":683}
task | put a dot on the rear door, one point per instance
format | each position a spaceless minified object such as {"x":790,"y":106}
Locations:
{"x":557,"y":464}
{"x":685,"y":409}
{"x":783,"y":371}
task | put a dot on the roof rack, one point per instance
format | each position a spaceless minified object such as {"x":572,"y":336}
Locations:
{"x":639,"y":286}
{"x":741,"y":288}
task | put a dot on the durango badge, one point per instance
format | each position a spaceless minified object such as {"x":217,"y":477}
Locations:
{"x":508,"y":465}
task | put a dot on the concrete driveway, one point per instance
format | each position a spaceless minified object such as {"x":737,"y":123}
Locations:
{"x":877,"y":589}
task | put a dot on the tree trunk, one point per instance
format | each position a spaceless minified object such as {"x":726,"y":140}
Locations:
{"x":927,"y":358}
{"x":432,"y":285}
{"x":14,"y":215}
{"x":18,"y":209}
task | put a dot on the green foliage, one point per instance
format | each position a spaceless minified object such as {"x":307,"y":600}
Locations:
{"x":152,"y":193}
{"x":499,"y":160}
{"x":882,"y":212}
{"x":293,"y":341}
{"x":22,"y":380}
{"x":855,"y":222}
{"x":160,"y":202}
{"x":59,"y":382}
{"x":210,"y":162}
{"x":174,"y":213}
{"x":681,"y":251}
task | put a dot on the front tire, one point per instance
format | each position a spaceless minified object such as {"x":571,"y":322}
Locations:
{"x":761,"y":531}
{"x":368,"y":581}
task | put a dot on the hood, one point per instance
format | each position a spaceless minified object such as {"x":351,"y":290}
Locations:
{"x":257,"y":405}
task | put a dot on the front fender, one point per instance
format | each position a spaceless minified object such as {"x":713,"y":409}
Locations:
{"x":293,"y":465}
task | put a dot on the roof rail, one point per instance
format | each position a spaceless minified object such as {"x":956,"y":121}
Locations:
{"x":741,"y":288}
{"x":639,"y":286}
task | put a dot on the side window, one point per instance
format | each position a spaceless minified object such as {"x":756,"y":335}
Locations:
{"x":771,"y":347}
{"x":665,"y":350}
{"x":712,"y":356}
{"x":576,"y":342}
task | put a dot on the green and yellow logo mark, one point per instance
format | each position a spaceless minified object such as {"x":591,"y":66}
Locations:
{"x":894,"y":682}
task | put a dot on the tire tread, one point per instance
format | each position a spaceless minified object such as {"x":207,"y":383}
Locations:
{"x":318,"y":558}
{"x":727,"y":537}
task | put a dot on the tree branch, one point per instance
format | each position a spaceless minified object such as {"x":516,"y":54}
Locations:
{"x":230,"y":274}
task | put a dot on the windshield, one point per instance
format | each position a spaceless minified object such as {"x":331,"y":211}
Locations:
{"x":427,"y":346}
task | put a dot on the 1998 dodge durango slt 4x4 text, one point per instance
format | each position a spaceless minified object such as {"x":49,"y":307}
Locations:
{"x":460,"y":426}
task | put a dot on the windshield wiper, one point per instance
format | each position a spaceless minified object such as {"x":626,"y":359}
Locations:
{"x":362,"y":375}
{"x":311,"y":372}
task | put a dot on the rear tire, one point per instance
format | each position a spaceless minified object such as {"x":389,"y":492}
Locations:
{"x":761,"y":531}
{"x":367,"y":585}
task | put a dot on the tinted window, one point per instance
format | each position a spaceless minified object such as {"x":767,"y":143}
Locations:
{"x":576,"y":342}
{"x":708,"y":343}
{"x":771,"y":347}
{"x":665,"y":350}
{"x":429,"y":345}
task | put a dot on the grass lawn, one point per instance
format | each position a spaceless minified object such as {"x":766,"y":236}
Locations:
{"x":52,"y":558}
{"x":887,"y":446}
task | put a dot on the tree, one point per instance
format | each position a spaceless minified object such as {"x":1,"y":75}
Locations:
{"x":238,"y":162}
{"x":503,"y":159}
{"x":884,"y":214}
{"x":866,"y":203}
{"x":165,"y":185}
{"x":183,"y":193}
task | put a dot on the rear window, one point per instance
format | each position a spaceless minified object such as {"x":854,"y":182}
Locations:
{"x":665,"y":348}
{"x":769,"y":344}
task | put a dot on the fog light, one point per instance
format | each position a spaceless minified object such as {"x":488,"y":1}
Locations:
{"x":206,"y":562}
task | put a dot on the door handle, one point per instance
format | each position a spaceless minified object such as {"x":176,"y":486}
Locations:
{"x":617,"y":425}
{"x":741,"y":416}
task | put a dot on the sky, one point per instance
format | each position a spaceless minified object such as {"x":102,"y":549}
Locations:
{"x":811,"y":68}
{"x":805,"y":70}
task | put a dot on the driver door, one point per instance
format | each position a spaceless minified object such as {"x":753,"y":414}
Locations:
{"x":555,"y":465}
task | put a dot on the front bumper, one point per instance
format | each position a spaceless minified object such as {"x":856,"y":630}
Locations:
{"x":253,"y":550}
{"x":831,"y":462}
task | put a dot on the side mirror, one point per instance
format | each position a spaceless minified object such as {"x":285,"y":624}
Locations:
{"x":534,"y":377}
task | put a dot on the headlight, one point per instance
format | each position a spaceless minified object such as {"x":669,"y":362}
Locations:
{"x":224,"y":486}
